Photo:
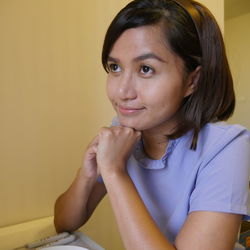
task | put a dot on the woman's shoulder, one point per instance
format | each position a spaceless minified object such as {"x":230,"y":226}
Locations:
{"x":219,"y":130}
{"x":215,"y":137}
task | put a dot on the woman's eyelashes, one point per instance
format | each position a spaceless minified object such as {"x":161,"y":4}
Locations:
{"x":144,"y":70}
{"x":113,"y":67}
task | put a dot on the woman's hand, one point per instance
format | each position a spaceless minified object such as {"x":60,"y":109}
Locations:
{"x":89,"y":167}
{"x":115,"y":145}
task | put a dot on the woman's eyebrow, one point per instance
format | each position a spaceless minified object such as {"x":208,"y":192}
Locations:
{"x":112,"y":59}
{"x":149,"y":56}
{"x":139,"y":58}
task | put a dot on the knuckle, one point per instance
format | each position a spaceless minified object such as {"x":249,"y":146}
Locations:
{"x":104,"y":131}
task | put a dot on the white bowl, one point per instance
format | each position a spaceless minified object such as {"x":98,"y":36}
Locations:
{"x":65,"y":248}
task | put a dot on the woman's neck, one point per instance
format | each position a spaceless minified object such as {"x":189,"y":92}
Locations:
{"x":154,"y":144}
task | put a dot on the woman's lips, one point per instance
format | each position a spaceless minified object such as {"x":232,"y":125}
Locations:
{"x":128,"y":110}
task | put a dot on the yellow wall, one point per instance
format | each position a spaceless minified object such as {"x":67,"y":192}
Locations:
{"x":52,"y":99}
{"x":237,"y":40}
{"x":217,"y":8}
{"x":52,"y":102}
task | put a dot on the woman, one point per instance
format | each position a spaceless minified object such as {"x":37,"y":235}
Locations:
{"x":177,"y":178}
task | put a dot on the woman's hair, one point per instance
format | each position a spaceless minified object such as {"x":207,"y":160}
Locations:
{"x":193,"y":34}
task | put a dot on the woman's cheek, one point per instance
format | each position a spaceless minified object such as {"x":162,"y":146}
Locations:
{"x":110,"y":89}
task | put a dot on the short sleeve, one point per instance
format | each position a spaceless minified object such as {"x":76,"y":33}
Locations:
{"x":222,"y":182}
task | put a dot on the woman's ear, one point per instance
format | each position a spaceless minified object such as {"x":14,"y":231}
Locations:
{"x":192,"y":81}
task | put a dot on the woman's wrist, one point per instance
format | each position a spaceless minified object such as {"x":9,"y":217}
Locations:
{"x":83,"y":180}
{"x":111,"y":173}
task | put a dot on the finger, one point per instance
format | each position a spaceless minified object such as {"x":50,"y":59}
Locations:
{"x":138,"y":135}
{"x":94,"y":141}
{"x":92,"y":150}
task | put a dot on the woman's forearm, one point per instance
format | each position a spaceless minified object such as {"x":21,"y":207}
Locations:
{"x":138,"y":229}
{"x":71,"y":207}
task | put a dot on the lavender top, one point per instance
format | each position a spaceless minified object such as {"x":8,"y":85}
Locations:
{"x":214,"y":177}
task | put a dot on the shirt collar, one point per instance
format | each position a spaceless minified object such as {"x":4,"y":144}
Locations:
{"x":147,"y":163}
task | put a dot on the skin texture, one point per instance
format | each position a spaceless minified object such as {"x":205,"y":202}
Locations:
{"x":146,"y":86}
{"x":147,"y":82}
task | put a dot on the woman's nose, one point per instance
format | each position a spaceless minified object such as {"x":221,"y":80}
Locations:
{"x":127,"y":87}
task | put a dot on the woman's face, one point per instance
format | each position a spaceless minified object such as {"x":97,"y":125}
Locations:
{"x":147,"y":82}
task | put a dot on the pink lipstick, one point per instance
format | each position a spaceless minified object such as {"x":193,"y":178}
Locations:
{"x":128,"y":110}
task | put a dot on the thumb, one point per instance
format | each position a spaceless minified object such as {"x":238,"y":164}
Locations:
{"x":138,"y":135}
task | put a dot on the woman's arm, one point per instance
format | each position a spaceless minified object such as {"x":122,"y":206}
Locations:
{"x":74,"y":207}
{"x":209,"y":231}
{"x":202,"y":230}
{"x":136,"y":226}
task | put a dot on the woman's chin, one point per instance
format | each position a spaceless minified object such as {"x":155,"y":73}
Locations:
{"x":130,"y":124}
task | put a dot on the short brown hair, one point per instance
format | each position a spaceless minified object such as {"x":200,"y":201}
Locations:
{"x":193,"y":34}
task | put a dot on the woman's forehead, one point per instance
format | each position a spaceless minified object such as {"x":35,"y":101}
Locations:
{"x":144,"y":40}
{"x":142,"y":43}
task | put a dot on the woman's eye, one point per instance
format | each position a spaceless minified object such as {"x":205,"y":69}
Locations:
{"x":146,"y":69}
{"x":114,"y":67}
